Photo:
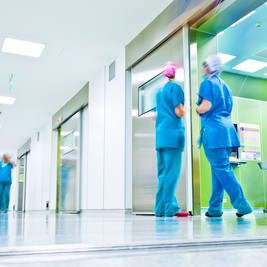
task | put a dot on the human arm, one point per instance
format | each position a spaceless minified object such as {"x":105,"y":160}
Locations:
{"x":12,"y":162}
{"x":204,"y":107}
{"x":180,"y":111}
{"x":205,"y":97}
{"x":177,"y":96}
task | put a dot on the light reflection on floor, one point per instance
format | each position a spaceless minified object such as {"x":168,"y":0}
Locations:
{"x":98,"y":228}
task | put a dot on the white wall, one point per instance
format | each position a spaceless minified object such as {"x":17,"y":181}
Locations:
{"x":96,"y":112}
{"x":114,"y":168}
{"x":39,"y":164}
{"x":106,"y":162}
{"x":103,"y":174}
{"x":53,"y":171}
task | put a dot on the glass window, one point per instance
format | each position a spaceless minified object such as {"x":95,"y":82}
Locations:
{"x":147,"y":94}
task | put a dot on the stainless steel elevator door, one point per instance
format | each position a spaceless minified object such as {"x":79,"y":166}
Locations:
{"x":69,"y":193}
{"x":22,"y":182}
{"x":144,"y":153}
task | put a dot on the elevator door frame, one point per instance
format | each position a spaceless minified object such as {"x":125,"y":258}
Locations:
{"x":21,"y":208}
{"x":215,"y":22}
{"x":77,"y":208}
{"x":188,"y":170}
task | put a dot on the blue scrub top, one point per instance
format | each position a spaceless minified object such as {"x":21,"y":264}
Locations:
{"x":5,"y":172}
{"x":217,"y":127}
{"x":169,"y":128}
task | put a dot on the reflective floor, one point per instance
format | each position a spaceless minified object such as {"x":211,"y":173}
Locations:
{"x":118,"y":239}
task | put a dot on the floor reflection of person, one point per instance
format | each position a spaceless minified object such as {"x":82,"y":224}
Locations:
{"x":6,"y":166}
{"x":219,"y":137}
{"x":170,"y":141}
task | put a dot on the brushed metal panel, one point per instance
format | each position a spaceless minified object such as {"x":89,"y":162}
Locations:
{"x":143,"y":132}
{"x":163,"y":26}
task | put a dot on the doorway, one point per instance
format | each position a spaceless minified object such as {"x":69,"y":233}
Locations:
{"x":22,"y":178}
{"x":69,"y":165}
{"x":240,"y":42}
{"x":146,"y":81}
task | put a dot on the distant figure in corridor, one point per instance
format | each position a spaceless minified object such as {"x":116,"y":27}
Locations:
{"x":6,"y":166}
{"x":170,"y":141}
{"x":219,"y":137}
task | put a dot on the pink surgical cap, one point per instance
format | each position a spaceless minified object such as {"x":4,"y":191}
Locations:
{"x":169,"y":69}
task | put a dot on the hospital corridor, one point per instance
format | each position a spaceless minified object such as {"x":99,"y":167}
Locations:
{"x":133,"y":133}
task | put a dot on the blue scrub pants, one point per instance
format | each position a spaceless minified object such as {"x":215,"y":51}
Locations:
{"x":169,"y":168}
{"x":4,"y":196}
{"x":223,"y":178}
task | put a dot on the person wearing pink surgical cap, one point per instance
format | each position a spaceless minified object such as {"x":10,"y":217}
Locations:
{"x":170,"y":141}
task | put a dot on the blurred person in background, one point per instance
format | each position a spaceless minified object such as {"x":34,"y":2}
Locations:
{"x":6,"y":166}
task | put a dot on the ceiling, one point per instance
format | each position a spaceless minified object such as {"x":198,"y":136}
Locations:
{"x":246,"y":40}
{"x":81,"y":37}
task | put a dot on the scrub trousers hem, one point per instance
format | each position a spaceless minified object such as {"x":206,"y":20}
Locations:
{"x":169,"y":168}
{"x":223,"y":178}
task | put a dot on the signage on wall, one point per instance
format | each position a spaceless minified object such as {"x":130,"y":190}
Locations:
{"x":250,"y":140}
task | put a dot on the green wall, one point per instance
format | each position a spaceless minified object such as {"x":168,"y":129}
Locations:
{"x":245,"y":86}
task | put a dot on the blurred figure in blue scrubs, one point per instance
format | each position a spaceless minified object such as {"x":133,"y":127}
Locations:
{"x":6,"y":166}
{"x":170,"y":141}
{"x":219,"y":137}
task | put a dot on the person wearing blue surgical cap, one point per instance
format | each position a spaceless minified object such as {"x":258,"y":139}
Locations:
{"x":170,"y":141}
{"x":219,"y":137}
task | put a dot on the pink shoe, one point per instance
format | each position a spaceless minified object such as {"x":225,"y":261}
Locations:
{"x":182,"y":214}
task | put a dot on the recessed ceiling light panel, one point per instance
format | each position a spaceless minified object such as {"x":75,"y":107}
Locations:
{"x":6,"y":100}
{"x":250,"y":65}
{"x":24,"y":48}
{"x":226,"y":57}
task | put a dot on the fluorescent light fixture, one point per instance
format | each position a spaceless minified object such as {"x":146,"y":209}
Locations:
{"x":250,"y":65}
{"x":24,"y":48}
{"x":245,"y":17}
{"x":7,"y":100}
{"x":220,"y":34}
{"x":226,"y":57}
